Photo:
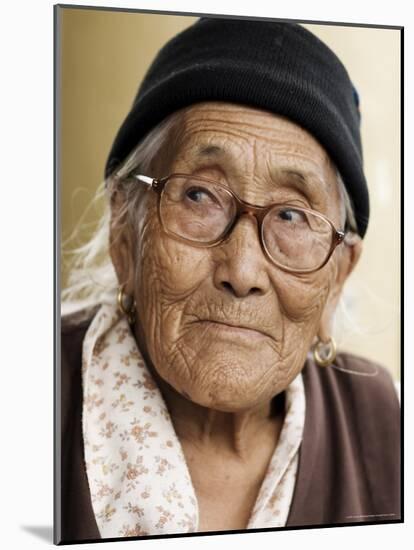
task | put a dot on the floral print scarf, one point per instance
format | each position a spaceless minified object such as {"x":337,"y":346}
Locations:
{"x":136,"y":469}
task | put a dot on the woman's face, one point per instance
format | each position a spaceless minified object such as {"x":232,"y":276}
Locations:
{"x":224,"y":326}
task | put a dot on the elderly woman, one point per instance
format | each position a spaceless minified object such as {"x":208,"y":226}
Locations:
{"x":205,"y":392}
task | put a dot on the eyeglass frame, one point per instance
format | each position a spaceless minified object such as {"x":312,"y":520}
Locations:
{"x":242,"y":207}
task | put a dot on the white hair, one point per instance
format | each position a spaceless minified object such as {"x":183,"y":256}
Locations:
{"x":92,"y":279}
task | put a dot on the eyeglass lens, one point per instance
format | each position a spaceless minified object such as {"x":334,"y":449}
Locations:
{"x":202,"y":212}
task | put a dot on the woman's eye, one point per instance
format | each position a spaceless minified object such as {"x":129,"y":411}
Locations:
{"x":198,"y":194}
{"x":292,"y":215}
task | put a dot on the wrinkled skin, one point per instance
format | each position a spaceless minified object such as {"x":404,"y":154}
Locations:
{"x":219,"y":381}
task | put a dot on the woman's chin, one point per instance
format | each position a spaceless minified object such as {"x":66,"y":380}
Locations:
{"x":227,"y":395}
{"x":223,"y":401}
{"x":226,"y":378}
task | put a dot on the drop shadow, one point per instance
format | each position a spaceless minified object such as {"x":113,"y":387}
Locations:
{"x":44,"y":532}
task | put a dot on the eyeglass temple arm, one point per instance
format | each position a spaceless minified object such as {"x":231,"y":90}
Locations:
{"x":145,"y":179}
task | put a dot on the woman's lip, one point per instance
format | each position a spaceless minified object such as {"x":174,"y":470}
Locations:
{"x":235,"y":330}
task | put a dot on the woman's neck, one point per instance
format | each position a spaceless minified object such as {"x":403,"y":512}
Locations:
{"x":236,"y":433}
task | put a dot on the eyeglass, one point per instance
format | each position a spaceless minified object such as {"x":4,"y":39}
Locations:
{"x":202,"y":212}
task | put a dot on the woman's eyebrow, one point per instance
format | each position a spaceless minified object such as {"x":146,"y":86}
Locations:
{"x":307,"y":179}
{"x":204,"y":151}
{"x":210,"y":150}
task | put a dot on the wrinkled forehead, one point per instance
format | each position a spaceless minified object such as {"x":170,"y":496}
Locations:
{"x":252,"y":143}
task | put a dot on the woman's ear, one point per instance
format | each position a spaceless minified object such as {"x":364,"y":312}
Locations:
{"x":121,"y":245}
{"x":347,"y":260}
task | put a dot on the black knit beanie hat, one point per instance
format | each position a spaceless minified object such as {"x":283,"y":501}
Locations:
{"x":279,"y":67}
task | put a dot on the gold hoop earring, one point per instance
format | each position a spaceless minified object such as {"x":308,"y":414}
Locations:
{"x":324,"y":353}
{"x":128,"y":311}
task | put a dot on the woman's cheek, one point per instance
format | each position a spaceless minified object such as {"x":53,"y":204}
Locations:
{"x":170,"y":274}
{"x":176,"y":266}
{"x":303,"y":297}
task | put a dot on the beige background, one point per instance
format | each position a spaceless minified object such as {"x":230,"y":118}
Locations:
{"x":105,"y":54}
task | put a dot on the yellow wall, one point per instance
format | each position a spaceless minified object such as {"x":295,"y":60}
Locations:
{"x":105,"y":54}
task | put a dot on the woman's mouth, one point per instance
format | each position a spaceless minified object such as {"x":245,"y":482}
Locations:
{"x":223,"y":329}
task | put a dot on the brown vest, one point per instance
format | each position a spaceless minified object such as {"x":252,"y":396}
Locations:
{"x":349,"y":459}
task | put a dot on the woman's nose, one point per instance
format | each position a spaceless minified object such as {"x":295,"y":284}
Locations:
{"x":241,"y":268}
